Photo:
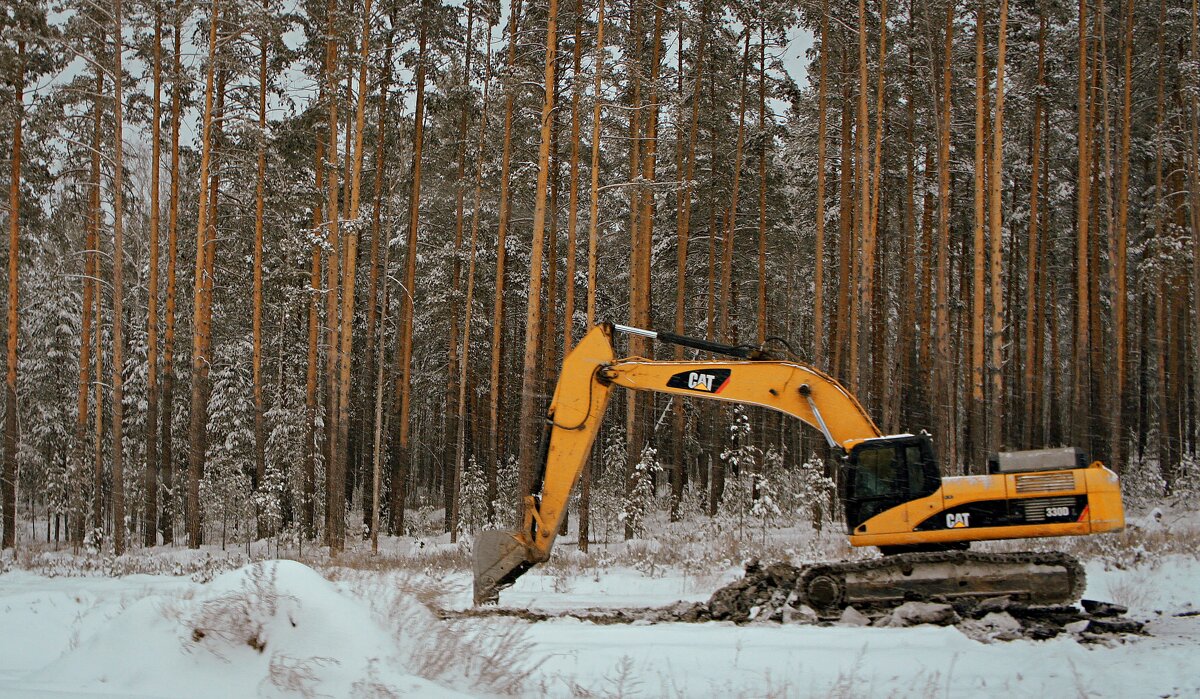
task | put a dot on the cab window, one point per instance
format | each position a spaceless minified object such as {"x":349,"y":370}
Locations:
{"x":876,"y":474}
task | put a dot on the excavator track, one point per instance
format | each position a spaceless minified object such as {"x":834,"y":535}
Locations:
{"x":1037,"y":578}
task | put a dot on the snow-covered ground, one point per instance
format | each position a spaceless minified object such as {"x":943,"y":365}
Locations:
{"x":280,"y":628}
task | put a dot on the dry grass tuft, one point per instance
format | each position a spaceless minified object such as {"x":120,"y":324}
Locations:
{"x":236,"y":618}
{"x":493,"y":657}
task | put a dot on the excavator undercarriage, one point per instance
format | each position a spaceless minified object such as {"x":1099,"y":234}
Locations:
{"x":1036,"y":578}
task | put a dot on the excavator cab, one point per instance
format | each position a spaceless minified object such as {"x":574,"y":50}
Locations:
{"x":886,"y":472}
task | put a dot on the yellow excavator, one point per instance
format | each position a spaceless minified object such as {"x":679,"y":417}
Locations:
{"x":893,"y":493}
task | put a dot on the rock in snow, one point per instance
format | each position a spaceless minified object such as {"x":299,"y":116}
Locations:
{"x":914,"y":613}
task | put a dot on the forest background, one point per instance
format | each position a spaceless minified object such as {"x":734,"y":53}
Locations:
{"x":238,"y":308}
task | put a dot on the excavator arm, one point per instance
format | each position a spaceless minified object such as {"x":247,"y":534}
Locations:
{"x":589,"y":372}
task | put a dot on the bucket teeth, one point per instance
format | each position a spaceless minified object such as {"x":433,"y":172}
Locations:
{"x":500,"y":557}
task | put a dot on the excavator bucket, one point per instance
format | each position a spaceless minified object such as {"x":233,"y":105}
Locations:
{"x":500,"y":558}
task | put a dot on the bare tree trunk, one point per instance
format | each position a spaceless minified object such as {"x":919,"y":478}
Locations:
{"x":841,"y":319}
{"x":453,"y":416}
{"x":260,"y":437}
{"x":585,"y":494}
{"x":501,"y":256}
{"x":150,"y":477}
{"x":872,"y":309}
{"x":1160,"y":301}
{"x":199,"y":406}
{"x":1120,"y":291}
{"x":731,"y":220}
{"x":818,"y":352}
{"x":167,"y":519}
{"x":85,"y":317}
{"x":375,"y":310}
{"x":9,"y":479}
{"x":1194,"y":182}
{"x":1081,"y":409}
{"x":594,"y":230}
{"x":944,"y":381}
{"x":683,"y":233}
{"x":897,"y":391}
{"x":995,"y":231}
{"x":1032,"y":327}
{"x":349,"y":269}
{"x":98,"y":492}
{"x":976,"y":423}
{"x":469,"y":301}
{"x":635,"y":433}
{"x":531,"y":421}
{"x":335,"y":478}
{"x":410,"y":265}
{"x":762,"y":182}
{"x":573,"y":179}
{"x":118,"y":380}
{"x":309,"y":485}
{"x":864,"y":280}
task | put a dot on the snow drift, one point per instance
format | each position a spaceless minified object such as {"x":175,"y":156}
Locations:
{"x":274,"y":628}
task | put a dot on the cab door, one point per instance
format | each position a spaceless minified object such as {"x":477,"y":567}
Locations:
{"x":925,"y":486}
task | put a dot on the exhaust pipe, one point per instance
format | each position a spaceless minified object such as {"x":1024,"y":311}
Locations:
{"x":500,"y":557}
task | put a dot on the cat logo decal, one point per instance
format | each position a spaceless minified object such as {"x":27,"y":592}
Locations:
{"x":703,"y":380}
{"x":960,"y":520}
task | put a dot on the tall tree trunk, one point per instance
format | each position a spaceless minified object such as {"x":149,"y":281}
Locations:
{"x":641,"y":407}
{"x":410,"y":266}
{"x":167,"y":520}
{"x":995,"y":232}
{"x":1160,"y":214}
{"x":585,"y":494}
{"x":453,"y":416}
{"x":976,"y":422}
{"x":818,"y":353}
{"x":150,"y":477}
{"x":635,"y":433}
{"x":1033,"y":297}
{"x":727,"y":299}
{"x":199,"y":399}
{"x":1080,"y":402}
{"x":1194,"y":186}
{"x":573,"y":179}
{"x":377,"y":353}
{"x":335,"y":478}
{"x":944,"y":381}
{"x":349,"y":268}
{"x":531,"y":421}
{"x":85,"y":317}
{"x":9,"y":479}
{"x":469,"y":301}
{"x":514,"y":14}
{"x":118,"y":369}
{"x":840,"y":332}
{"x":762,"y":182}
{"x":594,"y":229}
{"x":683,"y":233}
{"x":1120,"y":290}
{"x":864,"y":280}
{"x":260,"y":436}
{"x":99,"y":495}
{"x":309,"y":478}
{"x":899,"y":387}
{"x":872,"y":309}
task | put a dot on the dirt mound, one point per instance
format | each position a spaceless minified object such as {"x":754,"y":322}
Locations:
{"x":768,"y":593}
